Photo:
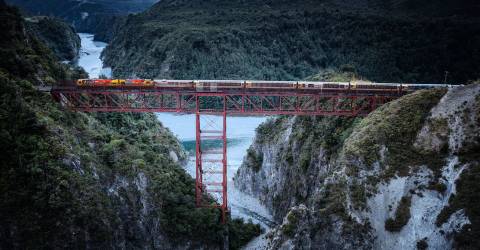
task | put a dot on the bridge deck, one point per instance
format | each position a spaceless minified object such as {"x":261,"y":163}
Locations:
{"x":237,"y":101}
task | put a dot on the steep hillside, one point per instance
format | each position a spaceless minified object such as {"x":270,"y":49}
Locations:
{"x":93,"y":16}
{"x":91,"y":181}
{"x":292,"y":40}
{"x":401,"y":178}
{"x":57,"y":35}
{"x":64,"y":8}
{"x":413,"y":8}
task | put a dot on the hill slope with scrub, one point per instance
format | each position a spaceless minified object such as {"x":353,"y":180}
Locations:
{"x":96,"y":181}
{"x":94,"y":16}
{"x":57,"y":35}
{"x":401,"y":178}
{"x":284,"y":40}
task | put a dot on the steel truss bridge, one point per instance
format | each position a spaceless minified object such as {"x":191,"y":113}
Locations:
{"x":211,"y":165}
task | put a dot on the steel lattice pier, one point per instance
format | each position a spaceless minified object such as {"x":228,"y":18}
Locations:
{"x":211,"y":164}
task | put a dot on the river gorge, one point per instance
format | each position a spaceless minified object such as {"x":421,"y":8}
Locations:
{"x":240,"y":134}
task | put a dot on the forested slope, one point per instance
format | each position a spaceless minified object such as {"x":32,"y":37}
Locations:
{"x":93,"y":16}
{"x":89,"y":181}
{"x":292,"y":40}
{"x":57,"y":35}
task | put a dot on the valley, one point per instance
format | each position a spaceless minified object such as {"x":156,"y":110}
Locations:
{"x":291,"y":40}
{"x":103,"y":180}
{"x":90,"y":56}
{"x":403,"y":175}
{"x":183,"y":126}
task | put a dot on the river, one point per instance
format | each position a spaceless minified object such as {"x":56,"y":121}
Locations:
{"x":240,"y":132}
{"x":90,"y":56}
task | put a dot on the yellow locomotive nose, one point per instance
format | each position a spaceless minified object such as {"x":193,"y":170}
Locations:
{"x":118,"y":81}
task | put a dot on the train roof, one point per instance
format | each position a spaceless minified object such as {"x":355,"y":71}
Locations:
{"x":286,"y":82}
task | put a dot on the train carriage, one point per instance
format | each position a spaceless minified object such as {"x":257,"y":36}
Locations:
{"x":214,"y":85}
{"x":413,"y":87}
{"x":176,"y":84}
{"x":270,"y":84}
{"x":336,"y":85}
{"x":322,"y":85}
{"x":368,"y":86}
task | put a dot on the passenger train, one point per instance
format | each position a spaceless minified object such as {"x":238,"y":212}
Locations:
{"x":218,"y":85}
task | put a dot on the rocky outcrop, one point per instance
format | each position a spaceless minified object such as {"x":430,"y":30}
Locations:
{"x":401,"y":178}
{"x":299,"y":170}
{"x":60,"y":37}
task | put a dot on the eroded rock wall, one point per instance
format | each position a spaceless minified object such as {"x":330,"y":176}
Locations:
{"x":401,"y":178}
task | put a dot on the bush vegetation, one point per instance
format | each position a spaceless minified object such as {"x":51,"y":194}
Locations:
{"x":402,"y":215}
{"x":283,"y":40}
{"x":466,"y":198}
{"x":240,"y":233}
{"x":269,"y":131}
{"x":57,"y":35}
{"x":291,"y":226}
{"x":101,"y":18}
{"x":73,"y":180}
{"x":255,"y":159}
{"x":422,"y":244}
{"x":395,"y":126}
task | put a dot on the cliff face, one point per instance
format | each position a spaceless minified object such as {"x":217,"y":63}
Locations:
{"x":57,"y":35}
{"x":90,"y":181}
{"x":400,"y":178}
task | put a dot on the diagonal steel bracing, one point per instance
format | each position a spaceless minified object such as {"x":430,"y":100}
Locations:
{"x":243,"y":103}
{"x":211,"y":164}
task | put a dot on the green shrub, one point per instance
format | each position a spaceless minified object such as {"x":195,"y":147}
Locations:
{"x":358,"y":195}
{"x":240,"y":232}
{"x":305,"y":158}
{"x":395,"y":125}
{"x":289,"y":228}
{"x":255,"y":159}
{"x":270,"y":129}
{"x":467,"y":198}
{"x":402,"y":215}
{"x":422,"y":244}
{"x":437,"y":186}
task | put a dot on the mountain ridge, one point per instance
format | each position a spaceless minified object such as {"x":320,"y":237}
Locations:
{"x":284,"y":40}
{"x":93,"y":16}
